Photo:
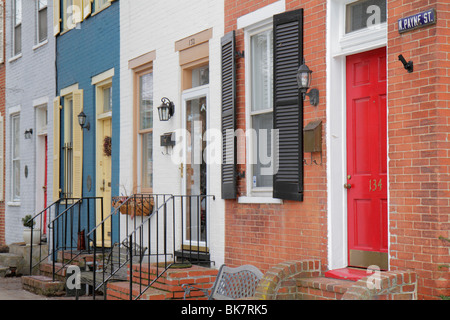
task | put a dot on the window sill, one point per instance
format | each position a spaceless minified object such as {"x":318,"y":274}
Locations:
{"x":268,"y":200}
{"x":16,"y":57}
{"x":13,"y":204}
{"x":41,"y":44}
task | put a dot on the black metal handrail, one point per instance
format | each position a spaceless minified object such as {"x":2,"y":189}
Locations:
{"x":62,"y":228}
{"x":134,"y":206}
{"x":168,"y":228}
{"x":40,"y":217}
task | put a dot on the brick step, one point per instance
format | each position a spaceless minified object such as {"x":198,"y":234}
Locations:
{"x":321,"y":288}
{"x":46,"y":269}
{"x":173,"y":279}
{"x":42,"y":285}
{"x":121,"y":291}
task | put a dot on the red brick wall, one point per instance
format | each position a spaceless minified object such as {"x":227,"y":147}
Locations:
{"x":2,"y":136}
{"x":418,"y":126}
{"x":419,"y":166}
{"x":266,"y":234}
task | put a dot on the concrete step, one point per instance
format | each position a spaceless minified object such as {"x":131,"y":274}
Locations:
{"x":44,"y":286}
{"x":322,"y":288}
{"x":12,"y":260}
{"x":3,"y":271}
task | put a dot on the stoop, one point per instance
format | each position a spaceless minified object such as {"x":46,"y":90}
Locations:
{"x":44,"y":286}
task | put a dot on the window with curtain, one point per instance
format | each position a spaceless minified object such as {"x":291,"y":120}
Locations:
{"x":261,"y":111}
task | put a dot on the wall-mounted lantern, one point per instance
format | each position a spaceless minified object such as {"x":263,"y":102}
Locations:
{"x":82,"y":121}
{"x":304,"y":78}
{"x":166,"y":109}
{"x":28,"y":134}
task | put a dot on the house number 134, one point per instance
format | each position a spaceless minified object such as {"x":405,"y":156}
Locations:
{"x":374,"y":185}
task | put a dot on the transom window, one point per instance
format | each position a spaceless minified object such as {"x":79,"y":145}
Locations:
{"x":364,"y":13}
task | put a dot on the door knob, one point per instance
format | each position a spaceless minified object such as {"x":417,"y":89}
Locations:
{"x":347,"y":186}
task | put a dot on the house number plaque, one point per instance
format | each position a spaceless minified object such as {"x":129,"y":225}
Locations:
{"x":375,"y":185}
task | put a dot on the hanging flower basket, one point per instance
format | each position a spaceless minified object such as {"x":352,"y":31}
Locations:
{"x":135,"y":206}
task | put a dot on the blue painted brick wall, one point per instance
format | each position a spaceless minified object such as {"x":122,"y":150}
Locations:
{"x":81,"y":54}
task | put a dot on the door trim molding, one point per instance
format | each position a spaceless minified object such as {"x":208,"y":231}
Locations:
{"x":336,"y":136}
{"x":190,"y":94}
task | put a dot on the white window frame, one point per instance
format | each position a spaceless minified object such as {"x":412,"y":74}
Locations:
{"x":14,"y":199}
{"x":14,"y":27}
{"x":253,"y":23}
{"x":38,"y":22}
{"x":339,"y":46}
{"x":249,"y":33}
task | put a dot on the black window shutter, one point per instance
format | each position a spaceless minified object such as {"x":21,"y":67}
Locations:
{"x":288,"y":106}
{"x":229,"y":157}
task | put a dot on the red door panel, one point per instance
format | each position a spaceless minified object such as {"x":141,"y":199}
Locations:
{"x":367,"y":159}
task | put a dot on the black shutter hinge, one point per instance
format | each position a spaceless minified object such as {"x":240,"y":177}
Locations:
{"x":240,"y":54}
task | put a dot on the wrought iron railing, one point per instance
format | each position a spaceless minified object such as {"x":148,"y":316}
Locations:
{"x":170,"y":229}
{"x":161,"y":225}
{"x":70,"y":219}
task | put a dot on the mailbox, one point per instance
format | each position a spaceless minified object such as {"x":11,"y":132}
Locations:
{"x":312,"y":137}
{"x":168,"y":139}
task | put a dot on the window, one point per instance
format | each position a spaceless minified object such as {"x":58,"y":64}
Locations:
{"x":145,"y":130}
{"x":273,"y":39}
{"x":68,"y":147}
{"x":15,"y":170}
{"x":41,"y":20}
{"x":17,"y":27}
{"x":72,"y":14}
{"x":361,"y":14}
{"x":107,"y":98}
{"x":101,"y":4}
{"x":260,"y":109}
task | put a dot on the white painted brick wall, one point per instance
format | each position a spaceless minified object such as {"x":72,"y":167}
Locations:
{"x":157,"y":25}
{"x":28,"y":78}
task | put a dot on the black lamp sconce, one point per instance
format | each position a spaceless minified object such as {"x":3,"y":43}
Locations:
{"x":408,"y":65}
{"x":28,"y":134}
{"x":166,"y":110}
{"x":304,"y":78}
{"x":82,"y":121}
{"x":240,"y":54}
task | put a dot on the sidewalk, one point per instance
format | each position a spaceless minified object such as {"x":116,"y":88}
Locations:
{"x":11,"y":289}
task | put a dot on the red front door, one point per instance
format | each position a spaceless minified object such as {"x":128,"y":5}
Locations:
{"x":367,"y":159}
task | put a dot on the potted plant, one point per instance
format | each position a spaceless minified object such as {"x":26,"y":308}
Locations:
{"x":29,"y":231}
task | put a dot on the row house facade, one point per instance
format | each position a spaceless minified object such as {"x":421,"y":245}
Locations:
{"x":200,"y":107}
{"x":2,"y":124}
{"x":360,"y":175}
{"x":29,"y":91}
